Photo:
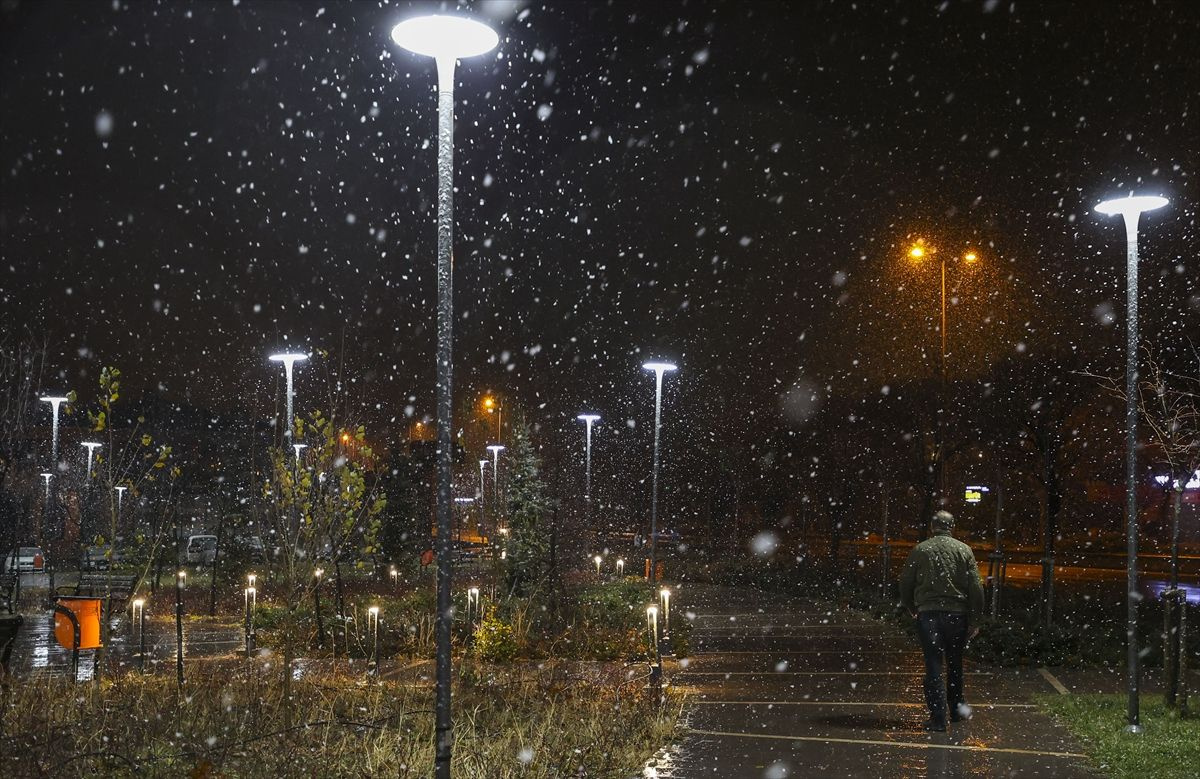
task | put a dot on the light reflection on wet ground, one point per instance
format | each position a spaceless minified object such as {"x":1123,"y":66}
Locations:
{"x":36,"y":652}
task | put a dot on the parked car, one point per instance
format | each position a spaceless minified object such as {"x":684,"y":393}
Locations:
{"x":25,"y":559}
{"x":201,"y":550}
{"x":99,"y":558}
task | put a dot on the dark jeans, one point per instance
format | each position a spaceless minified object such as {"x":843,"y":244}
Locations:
{"x":942,"y":632}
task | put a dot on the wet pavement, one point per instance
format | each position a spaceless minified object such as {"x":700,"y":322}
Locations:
{"x":781,"y":687}
{"x":36,"y":653}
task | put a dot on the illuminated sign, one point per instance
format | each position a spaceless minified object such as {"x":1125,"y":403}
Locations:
{"x":974,"y":493}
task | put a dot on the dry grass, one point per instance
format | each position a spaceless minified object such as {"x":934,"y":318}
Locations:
{"x":555,"y":721}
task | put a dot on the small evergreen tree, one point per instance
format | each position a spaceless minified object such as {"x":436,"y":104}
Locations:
{"x":528,"y":514}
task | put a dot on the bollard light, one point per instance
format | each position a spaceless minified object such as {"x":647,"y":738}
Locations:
{"x":620,"y":566}
{"x":598,"y":560}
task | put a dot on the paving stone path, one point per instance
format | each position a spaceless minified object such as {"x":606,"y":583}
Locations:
{"x":783,"y":687}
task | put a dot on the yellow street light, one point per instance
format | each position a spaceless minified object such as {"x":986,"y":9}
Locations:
{"x":917,"y":252}
{"x":970,"y":257}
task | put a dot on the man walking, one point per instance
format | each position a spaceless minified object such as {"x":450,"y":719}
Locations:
{"x":940,"y":586}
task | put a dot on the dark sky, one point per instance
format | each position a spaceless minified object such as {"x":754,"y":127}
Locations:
{"x":186,"y":186}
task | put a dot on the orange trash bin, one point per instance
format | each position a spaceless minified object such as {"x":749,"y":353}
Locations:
{"x":87,"y":611}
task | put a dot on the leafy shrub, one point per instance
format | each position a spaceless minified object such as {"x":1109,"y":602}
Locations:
{"x":494,"y":640}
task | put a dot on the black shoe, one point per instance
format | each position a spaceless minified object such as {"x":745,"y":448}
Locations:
{"x":935,"y":726}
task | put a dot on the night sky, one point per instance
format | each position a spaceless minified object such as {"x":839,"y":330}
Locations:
{"x":188,"y":186}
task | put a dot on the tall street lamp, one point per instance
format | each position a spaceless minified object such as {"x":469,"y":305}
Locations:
{"x":918,"y":252}
{"x":659,"y":369}
{"x":588,"y":420}
{"x":1131,"y":208}
{"x":496,"y":449}
{"x":120,"y":495}
{"x":91,"y":446}
{"x":483,"y":492}
{"x":446,"y":39}
{"x":289,"y":359}
{"x":55,"y":401}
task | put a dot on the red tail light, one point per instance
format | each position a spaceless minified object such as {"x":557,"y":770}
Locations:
{"x":37,"y":561}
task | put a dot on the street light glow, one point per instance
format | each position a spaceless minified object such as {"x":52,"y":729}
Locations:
{"x":288,"y":357}
{"x":916,"y":252}
{"x":444,"y":37}
{"x":659,"y":367}
{"x":1132,"y":205}
{"x":588,"y":417}
{"x":970,"y":257}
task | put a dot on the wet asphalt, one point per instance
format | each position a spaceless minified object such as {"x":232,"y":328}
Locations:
{"x":785,"y":687}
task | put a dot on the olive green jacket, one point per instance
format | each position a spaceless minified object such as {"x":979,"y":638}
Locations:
{"x":940,"y":574}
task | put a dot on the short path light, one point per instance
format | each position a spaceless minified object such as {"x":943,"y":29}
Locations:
{"x":373,"y":626}
{"x":139,"y":617}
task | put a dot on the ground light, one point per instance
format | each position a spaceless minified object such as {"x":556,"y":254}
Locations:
{"x":180,"y":581}
{"x":1131,"y":209}
{"x":446,"y":39}
{"x":139,"y":618}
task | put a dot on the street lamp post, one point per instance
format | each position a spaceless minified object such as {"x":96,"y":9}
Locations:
{"x":91,"y":447}
{"x":1131,"y":208}
{"x":289,"y":360}
{"x":496,"y":449}
{"x":589,"y":420}
{"x":659,"y":369}
{"x":918,"y":252}
{"x":446,"y":39}
{"x":483,"y":494}
{"x":55,"y":401}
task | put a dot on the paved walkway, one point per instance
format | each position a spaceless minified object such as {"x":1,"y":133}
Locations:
{"x":36,"y":652}
{"x":781,"y":687}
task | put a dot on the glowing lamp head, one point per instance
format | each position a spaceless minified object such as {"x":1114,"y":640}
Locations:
{"x":288,"y":357}
{"x":659,"y":367}
{"x":318,"y":573}
{"x":374,"y":610}
{"x":182,"y":575}
{"x":139,"y":603}
{"x":489,"y":403}
{"x":589,"y":418}
{"x":652,"y":611}
{"x":54,"y":400}
{"x":970,"y":257}
{"x":916,"y":252}
{"x":495,"y":449}
{"x":444,"y":37}
{"x":664,"y":593}
{"x":1132,"y":205}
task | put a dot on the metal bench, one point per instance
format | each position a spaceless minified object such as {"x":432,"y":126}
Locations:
{"x":97,"y":584}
